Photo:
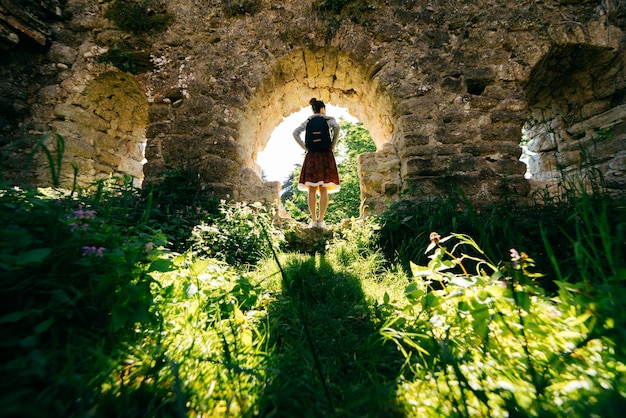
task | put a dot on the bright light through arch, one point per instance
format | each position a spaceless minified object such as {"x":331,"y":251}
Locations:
{"x":281,"y":154}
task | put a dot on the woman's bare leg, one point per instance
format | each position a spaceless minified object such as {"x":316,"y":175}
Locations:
{"x":323,"y":202}
{"x":313,"y":203}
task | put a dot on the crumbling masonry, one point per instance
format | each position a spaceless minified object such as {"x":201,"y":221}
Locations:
{"x":447,"y":88}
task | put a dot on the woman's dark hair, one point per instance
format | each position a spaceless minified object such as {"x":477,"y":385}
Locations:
{"x":316,"y":105}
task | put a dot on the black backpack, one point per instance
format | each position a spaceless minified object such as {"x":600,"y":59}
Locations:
{"x":317,"y":136}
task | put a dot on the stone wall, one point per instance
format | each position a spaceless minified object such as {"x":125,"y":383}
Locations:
{"x":447,"y":89}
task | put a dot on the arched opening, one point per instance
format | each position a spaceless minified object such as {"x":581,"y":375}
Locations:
{"x":328,"y":74}
{"x":577,"y":109}
{"x":104,"y":129}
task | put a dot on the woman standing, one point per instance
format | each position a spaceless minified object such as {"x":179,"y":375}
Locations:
{"x":319,"y":169}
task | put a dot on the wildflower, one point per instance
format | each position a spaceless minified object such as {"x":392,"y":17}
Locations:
{"x":93,"y":250}
{"x":75,"y":226}
{"x":515,"y":258}
{"x":435,"y":238}
{"x":81,"y":213}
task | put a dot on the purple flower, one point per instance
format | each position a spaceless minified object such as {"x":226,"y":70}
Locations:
{"x":88,"y":250}
{"x":92,"y":250}
{"x":515,"y":258}
{"x":81,"y":213}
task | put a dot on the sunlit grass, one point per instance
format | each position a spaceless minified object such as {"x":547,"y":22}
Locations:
{"x":112,"y":308}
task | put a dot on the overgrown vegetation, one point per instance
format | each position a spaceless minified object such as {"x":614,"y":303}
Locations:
{"x":240,"y":7}
{"x":335,"y":11}
{"x":127,"y":59}
{"x":354,"y":9}
{"x":166,"y":303}
{"x":139,"y":16}
{"x":562,"y":225}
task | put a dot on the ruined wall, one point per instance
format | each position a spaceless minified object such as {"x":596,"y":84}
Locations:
{"x":446,"y":88}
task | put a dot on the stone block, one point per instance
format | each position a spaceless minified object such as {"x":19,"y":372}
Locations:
{"x":217,"y":169}
{"x":482,"y":103}
{"x":455,"y":134}
{"x":541,"y":163}
{"x":501,"y":132}
{"x":131,"y":167}
{"x":610,"y":117}
{"x":500,"y":116}
{"x":492,"y":149}
{"x":425,"y":166}
{"x":509,"y":167}
{"x":60,"y":53}
{"x":109,"y":159}
{"x":542,"y":143}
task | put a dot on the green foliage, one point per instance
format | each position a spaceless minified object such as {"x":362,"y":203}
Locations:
{"x":139,"y":16}
{"x":239,"y":234}
{"x":207,"y":358}
{"x":295,"y":201}
{"x":355,"y":140}
{"x":176,"y":203}
{"x":126,"y":60}
{"x":54,"y":156}
{"x":606,"y":133}
{"x":70,"y":274}
{"x":99,"y":316}
{"x":573,"y":228}
{"x":487,"y":341}
{"x":328,"y":359}
{"x":240,"y":7}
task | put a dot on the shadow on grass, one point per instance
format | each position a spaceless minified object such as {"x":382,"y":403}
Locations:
{"x":329,"y":359}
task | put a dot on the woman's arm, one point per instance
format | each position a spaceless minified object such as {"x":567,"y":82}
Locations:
{"x":334,"y":127}
{"x":296,"y":135}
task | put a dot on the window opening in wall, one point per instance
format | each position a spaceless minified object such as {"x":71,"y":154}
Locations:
{"x":527,"y":155}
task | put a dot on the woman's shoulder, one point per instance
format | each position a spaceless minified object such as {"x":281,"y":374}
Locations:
{"x":332,"y":120}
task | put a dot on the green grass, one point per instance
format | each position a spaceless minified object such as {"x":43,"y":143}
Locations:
{"x":126,"y":303}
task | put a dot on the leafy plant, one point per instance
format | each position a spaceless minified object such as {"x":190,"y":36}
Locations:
{"x":139,"y":16}
{"x":54,"y":156}
{"x":238,"y":235}
{"x":568,"y":227}
{"x":68,"y":274}
{"x":165,"y":302}
{"x":175,"y":204}
{"x":606,"y":133}
{"x":487,"y":341}
{"x":133,"y":62}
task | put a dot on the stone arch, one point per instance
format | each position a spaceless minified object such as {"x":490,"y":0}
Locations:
{"x":444,"y":88}
{"x":104,"y":129}
{"x":335,"y":77}
{"x":577,"y":111}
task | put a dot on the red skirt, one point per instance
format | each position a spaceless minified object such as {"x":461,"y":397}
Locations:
{"x":319,"y":169}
